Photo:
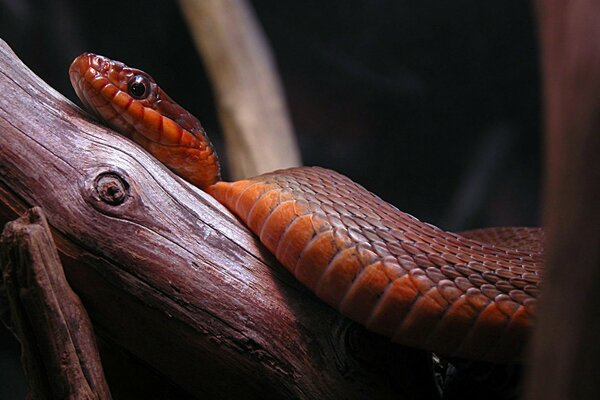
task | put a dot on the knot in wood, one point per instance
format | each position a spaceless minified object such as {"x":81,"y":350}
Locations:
{"x":112,"y":188}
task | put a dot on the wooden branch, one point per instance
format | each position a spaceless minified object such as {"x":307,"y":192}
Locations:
{"x":565,"y":342}
{"x":251,"y":104}
{"x":168,"y":274}
{"x":60,"y":357}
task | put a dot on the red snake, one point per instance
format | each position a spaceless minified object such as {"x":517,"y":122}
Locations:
{"x":470,"y":295}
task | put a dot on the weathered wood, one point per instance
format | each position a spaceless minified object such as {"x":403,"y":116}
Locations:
{"x":170,"y":275}
{"x":565,"y":343}
{"x":59,"y":352}
{"x":251,"y":104}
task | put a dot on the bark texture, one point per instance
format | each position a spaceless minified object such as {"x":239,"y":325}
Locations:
{"x":59,"y":352}
{"x":170,"y":275}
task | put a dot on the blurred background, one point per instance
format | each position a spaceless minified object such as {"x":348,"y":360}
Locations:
{"x":432,"y":105}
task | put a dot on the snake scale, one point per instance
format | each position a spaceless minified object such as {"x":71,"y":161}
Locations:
{"x":470,"y":295}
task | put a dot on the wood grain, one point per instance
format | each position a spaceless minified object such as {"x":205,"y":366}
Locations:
{"x":59,"y":352}
{"x":170,"y":275}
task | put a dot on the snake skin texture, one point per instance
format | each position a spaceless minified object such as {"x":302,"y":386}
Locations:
{"x":470,"y":295}
{"x":408,"y":280}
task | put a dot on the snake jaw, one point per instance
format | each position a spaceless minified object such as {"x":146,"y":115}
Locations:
{"x":154,"y":120}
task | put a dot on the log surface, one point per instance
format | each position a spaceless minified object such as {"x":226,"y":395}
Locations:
{"x":169,"y":274}
{"x":60,"y":357}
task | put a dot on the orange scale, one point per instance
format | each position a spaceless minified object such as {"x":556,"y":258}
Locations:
{"x":393,"y":306}
{"x":263,"y":207}
{"x":423,"y":261}
{"x":212,"y":158}
{"x":410,"y":249}
{"x":90,"y":74}
{"x":435,"y":295}
{"x":165,"y":155}
{"x":122,"y":100}
{"x":422,"y":320}
{"x":486,"y":332}
{"x":451,"y":258}
{"x":450,"y":332}
{"x":248,"y":197}
{"x":315,"y":258}
{"x":183,"y":156}
{"x":440,"y":248}
{"x":179,"y":161}
{"x":135,"y":111}
{"x":196,"y":143}
{"x":107,"y":91}
{"x":521,"y":322}
{"x":189,"y":140}
{"x":511,"y":345}
{"x":479,"y":257}
{"x":195,"y":154}
{"x":493,"y":317}
{"x":461,"y":313}
{"x":320,"y":222}
{"x":293,"y":241}
{"x":224,"y":192}
{"x":276,"y":223}
{"x":98,"y":83}
{"x":192,"y":156}
{"x":365,"y":292}
{"x":107,"y":111}
{"x":477,"y":299}
{"x":238,"y":188}
{"x":421,"y":280}
{"x":343,"y":240}
{"x":171,"y":132}
{"x":437,"y":260}
{"x":97,"y":101}
{"x":338,"y":276}
{"x":366,"y":256}
{"x":506,"y":305}
{"x":152,"y":122}
{"x":302,"y":206}
{"x":412,"y":236}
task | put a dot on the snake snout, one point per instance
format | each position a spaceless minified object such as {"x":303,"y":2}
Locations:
{"x":99,"y":63}
{"x":90,"y":60}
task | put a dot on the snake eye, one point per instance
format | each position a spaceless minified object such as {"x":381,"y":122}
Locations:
{"x":139,"y":87}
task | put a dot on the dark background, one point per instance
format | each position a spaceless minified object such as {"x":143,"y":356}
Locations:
{"x":433,"y":105}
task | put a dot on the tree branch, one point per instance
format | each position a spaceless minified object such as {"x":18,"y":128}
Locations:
{"x":251,"y":103}
{"x":170,"y":275}
{"x":60,"y":356}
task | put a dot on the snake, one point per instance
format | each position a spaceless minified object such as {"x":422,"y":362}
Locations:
{"x":467,"y":295}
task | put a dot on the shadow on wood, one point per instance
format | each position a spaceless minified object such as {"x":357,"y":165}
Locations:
{"x":60,"y":356}
{"x":168,"y":274}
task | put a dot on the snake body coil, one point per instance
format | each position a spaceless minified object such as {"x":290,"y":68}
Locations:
{"x":469,"y":295}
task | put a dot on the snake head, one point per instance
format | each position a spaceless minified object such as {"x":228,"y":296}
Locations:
{"x":131,"y":102}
